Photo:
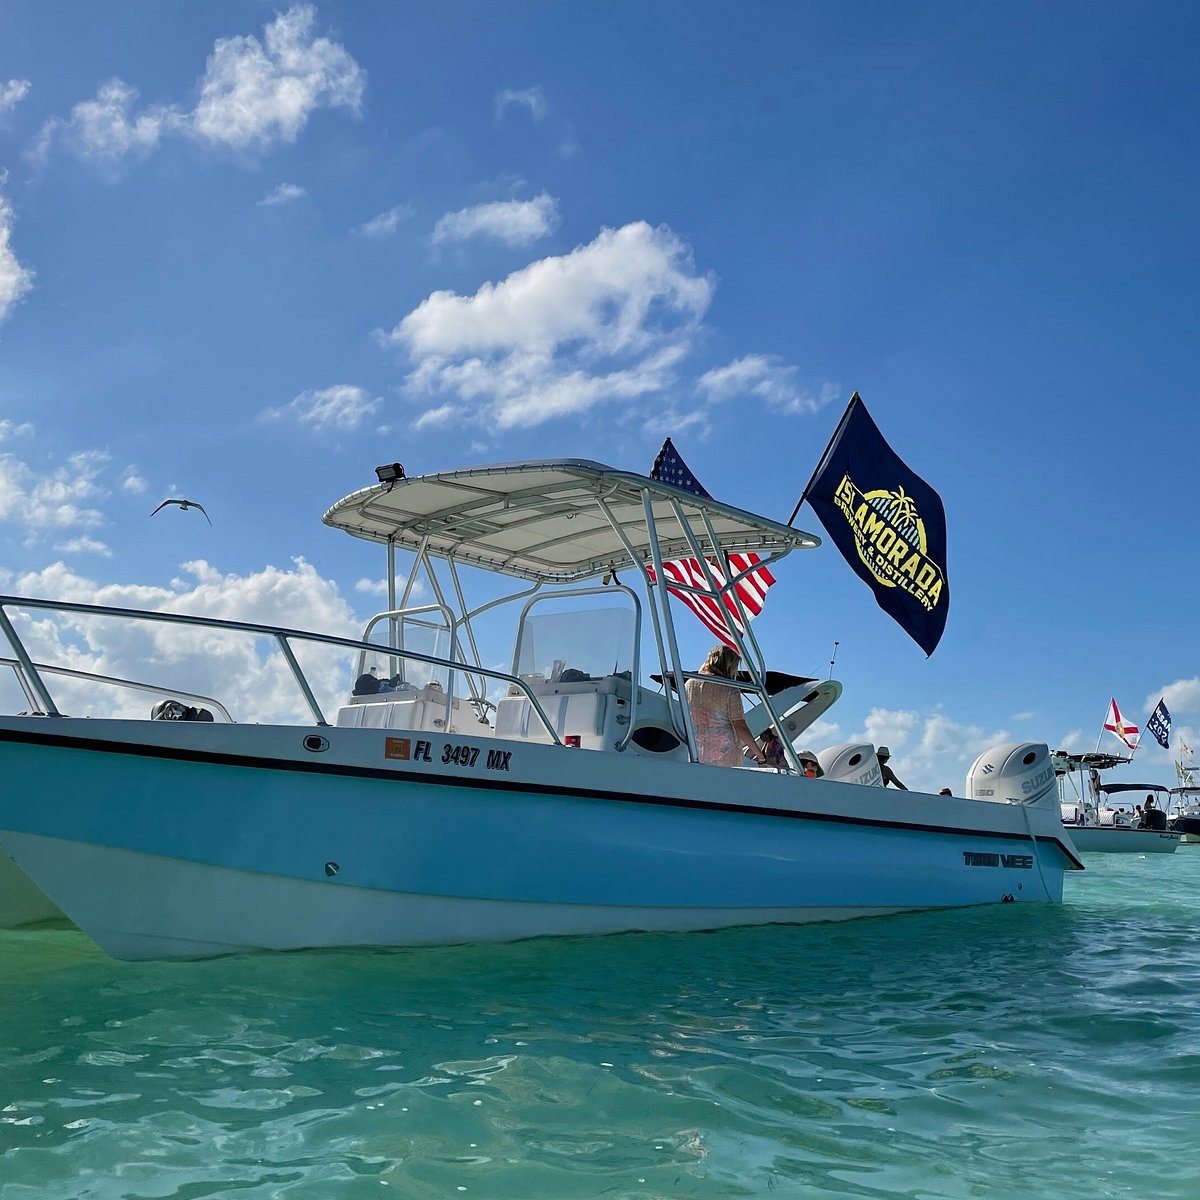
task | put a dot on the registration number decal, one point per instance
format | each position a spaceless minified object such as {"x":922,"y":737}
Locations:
{"x":454,"y":754}
{"x":460,"y":756}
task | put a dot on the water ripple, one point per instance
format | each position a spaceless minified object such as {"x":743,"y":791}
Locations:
{"x":1004,"y":1053}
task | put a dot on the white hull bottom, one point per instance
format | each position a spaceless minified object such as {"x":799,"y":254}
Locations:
{"x":170,"y":901}
{"x":1103,"y":839}
{"x":22,"y":902}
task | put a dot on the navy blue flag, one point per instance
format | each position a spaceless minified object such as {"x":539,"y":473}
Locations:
{"x":670,"y":468}
{"x":1160,"y":726}
{"x":888,"y":523}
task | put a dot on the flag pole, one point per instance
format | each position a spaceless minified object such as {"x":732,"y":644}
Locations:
{"x":833,"y":441}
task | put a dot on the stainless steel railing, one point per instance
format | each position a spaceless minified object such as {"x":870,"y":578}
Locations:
{"x":95,"y":677}
{"x":29,"y":675}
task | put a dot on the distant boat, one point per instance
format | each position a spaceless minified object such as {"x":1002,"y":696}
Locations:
{"x":1185,"y":812}
{"x":1097,"y":824}
{"x":449,"y":801}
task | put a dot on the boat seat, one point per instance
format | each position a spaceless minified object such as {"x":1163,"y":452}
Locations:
{"x":422,"y":709}
{"x":575,"y":710}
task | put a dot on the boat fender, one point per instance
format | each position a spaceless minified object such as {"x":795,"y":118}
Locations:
{"x":853,"y":762}
{"x":1021,"y":771}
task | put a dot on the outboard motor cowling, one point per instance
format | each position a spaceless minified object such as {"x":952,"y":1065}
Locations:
{"x":1021,"y":771}
{"x":854,"y":762}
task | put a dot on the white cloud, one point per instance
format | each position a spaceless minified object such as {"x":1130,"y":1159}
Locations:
{"x":341,"y":407}
{"x":763,"y":375}
{"x":672,"y":422}
{"x":57,"y":500}
{"x":253,"y":95}
{"x":513,"y":222}
{"x":929,"y":750}
{"x":284,"y":193}
{"x":1182,"y":696}
{"x":132,"y":482}
{"x":12,"y":429}
{"x":437,"y":418}
{"x":379,"y":587}
{"x":15,"y":280}
{"x":12,"y":93}
{"x":256,"y":93}
{"x":530,"y":99}
{"x":607,"y":323}
{"x":84,"y":545}
{"x":386,"y":223}
{"x":227,"y":666}
{"x":106,"y":129}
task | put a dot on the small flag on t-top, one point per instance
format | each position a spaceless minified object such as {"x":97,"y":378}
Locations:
{"x":1116,"y":724}
{"x":1160,"y":725}
{"x":751,"y":590}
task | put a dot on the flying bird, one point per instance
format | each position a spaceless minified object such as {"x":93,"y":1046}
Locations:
{"x":184,"y":505}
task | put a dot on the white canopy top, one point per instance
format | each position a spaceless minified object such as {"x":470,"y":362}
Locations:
{"x":543,"y":520}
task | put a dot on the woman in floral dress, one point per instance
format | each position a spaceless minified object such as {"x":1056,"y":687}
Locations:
{"x":721,"y":730}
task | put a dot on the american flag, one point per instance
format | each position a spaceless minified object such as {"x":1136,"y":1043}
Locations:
{"x":752,"y":590}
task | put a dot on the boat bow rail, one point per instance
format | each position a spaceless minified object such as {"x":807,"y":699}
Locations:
{"x":30,"y":675}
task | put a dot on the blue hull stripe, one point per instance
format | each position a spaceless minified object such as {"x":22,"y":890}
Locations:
{"x":37,"y":738}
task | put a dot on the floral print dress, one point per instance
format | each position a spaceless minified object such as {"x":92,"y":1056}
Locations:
{"x":715,"y":707}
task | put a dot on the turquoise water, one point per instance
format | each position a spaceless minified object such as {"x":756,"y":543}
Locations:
{"x":1014,"y":1051}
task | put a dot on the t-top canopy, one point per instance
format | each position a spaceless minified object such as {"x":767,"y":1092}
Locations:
{"x":545,"y":521}
{"x":1106,"y":788}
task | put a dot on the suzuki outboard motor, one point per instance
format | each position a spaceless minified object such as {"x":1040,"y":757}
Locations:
{"x":852,"y":763}
{"x":1022,"y":771}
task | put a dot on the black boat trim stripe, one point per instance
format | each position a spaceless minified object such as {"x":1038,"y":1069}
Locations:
{"x":220,"y":758}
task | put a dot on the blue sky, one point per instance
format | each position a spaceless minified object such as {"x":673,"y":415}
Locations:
{"x":247,"y":252}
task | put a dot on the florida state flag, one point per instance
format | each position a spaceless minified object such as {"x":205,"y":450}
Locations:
{"x":1117,"y":725}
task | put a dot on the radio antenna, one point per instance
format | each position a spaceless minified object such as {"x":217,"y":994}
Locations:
{"x":833,"y":658}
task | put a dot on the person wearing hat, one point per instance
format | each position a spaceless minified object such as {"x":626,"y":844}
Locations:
{"x":809,"y":765}
{"x":889,"y":776}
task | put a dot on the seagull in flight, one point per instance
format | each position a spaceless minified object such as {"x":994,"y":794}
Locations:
{"x":184,"y":505}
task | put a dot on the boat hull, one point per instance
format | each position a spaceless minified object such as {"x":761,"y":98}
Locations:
{"x":1188,"y":826}
{"x":164,"y":840}
{"x":22,"y":902}
{"x":1104,"y":839}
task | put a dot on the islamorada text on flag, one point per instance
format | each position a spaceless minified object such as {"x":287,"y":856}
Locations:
{"x":888,"y":523}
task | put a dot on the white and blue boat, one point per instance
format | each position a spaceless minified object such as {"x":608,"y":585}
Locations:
{"x":1095,"y":815}
{"x":447,"y":801}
